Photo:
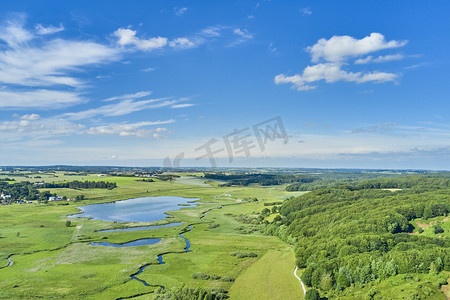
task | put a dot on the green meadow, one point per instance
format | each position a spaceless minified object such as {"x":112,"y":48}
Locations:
{"x":52,"y":260}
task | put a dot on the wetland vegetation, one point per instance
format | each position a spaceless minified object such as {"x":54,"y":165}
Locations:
{"x":383,"y":236}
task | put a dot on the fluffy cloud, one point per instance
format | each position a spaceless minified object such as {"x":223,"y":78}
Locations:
{"x":128,"y":37}
{"x":331,"y":72}
{"x":183,"y":43}
{"x":335,"y":53}
{"x":339,"y":48}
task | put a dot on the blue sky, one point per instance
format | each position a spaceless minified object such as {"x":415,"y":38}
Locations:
{"x":356,"y":84}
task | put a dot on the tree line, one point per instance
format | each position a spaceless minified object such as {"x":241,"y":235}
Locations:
{"x":76,"y":184}
{"x":262,"y":179}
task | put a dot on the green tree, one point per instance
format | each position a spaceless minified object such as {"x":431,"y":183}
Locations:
{"x":68,"y":223}
{"x":312,"y":294}
{"x":326,"y":282}
{"x":437,"y":229}
{"x":307,"y":276}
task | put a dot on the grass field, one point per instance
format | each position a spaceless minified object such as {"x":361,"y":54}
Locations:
{"x":52,"y":260}
{"x":271,"y":276}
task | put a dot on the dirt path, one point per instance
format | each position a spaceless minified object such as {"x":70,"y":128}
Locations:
{"x":301,"y":282}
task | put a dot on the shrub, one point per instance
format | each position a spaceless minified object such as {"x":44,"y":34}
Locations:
{"x":243,"y":254}
{"x":227,"y":279}
{"x":200,"y":275}
{"x":437,"y":229}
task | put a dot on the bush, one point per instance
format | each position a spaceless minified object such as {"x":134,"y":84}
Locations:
{"x":227,"y":279}
{"x":312,"y":295}
{"x":437,"y":229}
{"x":201,"y":276}
{"x":243,"y":254}
{"x":215,"y":277}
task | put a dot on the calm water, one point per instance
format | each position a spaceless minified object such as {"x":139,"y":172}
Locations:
{"x":145,"y":209}
{"x":141,"y":242}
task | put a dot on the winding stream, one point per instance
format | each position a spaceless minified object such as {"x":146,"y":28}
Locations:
{"x":188,"y":244}
{"x":160,"y":260}
{"x":10,"y":261}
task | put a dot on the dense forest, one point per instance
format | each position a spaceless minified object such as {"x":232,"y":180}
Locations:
{"x":359,"y":233}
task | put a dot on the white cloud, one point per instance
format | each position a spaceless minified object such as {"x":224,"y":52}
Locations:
{"x":339,"y":48}
{"x":182,"y":105}
{"x":149,"y":69}
{"x":336,"y":52}
{"x":121,"y":108}
{"x":37,"y":128}
{"x":50,"y":62}
{"x":272,"y":48}
{"x":180,"y":11}
{"x":243,"y":33}
{"x":243,"y":36}
{"x":13,"y":33}
{"x":30,"y":117}
{"x":379,"y":59}
{"x":130,"y":96}
{"x":130,"y":129}
{"x":128,"y":37}
{"x":306,"y":11}
{"x":212,"y":31}
{"x":183,"y":43}
{"x":331,"y":72}
{"x":42,"y":30}
{"x":38,"y":98}
{"x":34,"y":67}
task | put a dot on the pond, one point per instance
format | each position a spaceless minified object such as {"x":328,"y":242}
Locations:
{"x":141,"y":242}
{"x":145,"y":209}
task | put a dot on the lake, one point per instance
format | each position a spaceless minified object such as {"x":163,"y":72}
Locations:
{"x":144,"y":209}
